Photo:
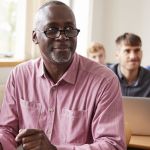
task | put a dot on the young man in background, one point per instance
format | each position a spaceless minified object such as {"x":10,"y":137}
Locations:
{"x":134,"y":79}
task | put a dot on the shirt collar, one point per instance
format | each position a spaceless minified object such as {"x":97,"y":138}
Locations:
{"x":136,"y":83}
{"x":69,"y":75}
{"x":141,"y":74}
{"x":41,"y":70}
{"x":119,"y":72}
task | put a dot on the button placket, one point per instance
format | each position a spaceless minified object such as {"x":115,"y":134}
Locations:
{"x":51,"y":110}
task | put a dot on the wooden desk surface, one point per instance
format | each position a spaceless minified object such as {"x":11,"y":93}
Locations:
{"x":140,"y":142}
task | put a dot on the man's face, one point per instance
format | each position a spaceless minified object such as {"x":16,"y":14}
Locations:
{"x":98,"y":56}
{"x":57,"y":50}
{"x":129,"y":57}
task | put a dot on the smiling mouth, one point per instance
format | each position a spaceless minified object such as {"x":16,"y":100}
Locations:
{"x":61,"y":49}
{"x":134,"y":62}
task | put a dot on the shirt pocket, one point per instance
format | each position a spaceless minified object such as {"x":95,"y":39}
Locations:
{"x":29,"y":114}
{"x":75,"y":126}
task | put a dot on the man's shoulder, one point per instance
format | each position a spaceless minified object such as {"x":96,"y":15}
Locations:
{"x":145,"y":72}
{"x":113,"y":67}
{"x":27,"y":66}
{"x":94,"y":69}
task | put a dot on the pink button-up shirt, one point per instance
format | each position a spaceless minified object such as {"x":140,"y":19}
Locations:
{"x":82,"y":111}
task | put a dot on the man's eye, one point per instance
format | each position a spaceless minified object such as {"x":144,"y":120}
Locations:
{"x":69,"y":28}
{"x":52,"y":30}
{"x":127,"y":51}
{"x":94,"y":57}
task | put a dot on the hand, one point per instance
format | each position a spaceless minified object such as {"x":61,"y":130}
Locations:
{"x":1,"y":148}
{"x":34,"y":139}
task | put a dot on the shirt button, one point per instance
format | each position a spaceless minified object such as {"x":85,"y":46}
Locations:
{"x":51,"y":110}
{"x":53,"y":88}
{"x":48,"y":132}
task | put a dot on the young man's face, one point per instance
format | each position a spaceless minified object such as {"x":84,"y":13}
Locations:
{"x":129,"y":57}
{"x":98,"y":56}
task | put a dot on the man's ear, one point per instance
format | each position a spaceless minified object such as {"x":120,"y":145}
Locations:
{"x":34,"y":37}
{"x":117,"y":51}
{"x":117,"y":54}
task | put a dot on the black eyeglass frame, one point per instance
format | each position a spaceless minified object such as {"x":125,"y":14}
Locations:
{"x":59,"y":32}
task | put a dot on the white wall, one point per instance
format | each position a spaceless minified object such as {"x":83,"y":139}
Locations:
{"x":111,"y":18}
{"x":4,"y":73}
{"x":81,"y":10}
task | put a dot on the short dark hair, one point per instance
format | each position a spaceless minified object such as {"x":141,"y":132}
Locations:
{"x":129,"y":39}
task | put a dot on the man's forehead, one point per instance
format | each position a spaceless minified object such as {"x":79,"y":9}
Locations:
{"x":125,"y":45}
{"x":55,"y":14}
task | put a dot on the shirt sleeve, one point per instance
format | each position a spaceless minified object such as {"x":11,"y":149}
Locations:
{"x":108,"y":122}
{"x":8,"y":117}
{"x":7,"y":142}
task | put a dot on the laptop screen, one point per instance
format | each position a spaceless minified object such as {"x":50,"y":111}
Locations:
{"x":137,"y":114}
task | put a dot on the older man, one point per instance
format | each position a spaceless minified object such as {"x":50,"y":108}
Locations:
{"x":62,"y":100}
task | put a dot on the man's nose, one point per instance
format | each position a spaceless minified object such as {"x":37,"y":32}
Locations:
{"x":133,"y":55}
{"x":62,"y":35}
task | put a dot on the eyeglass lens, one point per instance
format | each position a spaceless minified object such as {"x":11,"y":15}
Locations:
{"x":55,"y":33}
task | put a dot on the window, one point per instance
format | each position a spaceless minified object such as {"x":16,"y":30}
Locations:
{"x":82,"y":20}
{"x":10,"y":28}
{"x":7,"y":27}
{"x":16,"y":17}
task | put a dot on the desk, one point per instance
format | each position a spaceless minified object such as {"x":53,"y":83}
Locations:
{"x":140,"y":142}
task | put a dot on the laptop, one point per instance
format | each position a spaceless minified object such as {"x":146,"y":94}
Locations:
{"x":137,"y":114}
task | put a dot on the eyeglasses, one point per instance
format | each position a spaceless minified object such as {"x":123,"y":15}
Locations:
{"x":55,"y":32}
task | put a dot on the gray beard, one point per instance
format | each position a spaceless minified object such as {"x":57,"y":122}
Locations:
{"x":58,"y":58}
